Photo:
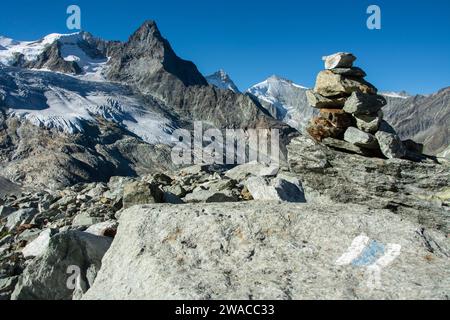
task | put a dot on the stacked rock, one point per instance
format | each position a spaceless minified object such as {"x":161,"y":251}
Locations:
{"x":350,"y":110}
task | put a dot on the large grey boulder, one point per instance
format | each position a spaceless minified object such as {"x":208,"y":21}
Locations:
{"x":339,"y":60}
{"x":48,"y":277}
{"x":410,"y":189}
{"x":329,"y":84}
{"x":360,"y":103}
{"x":257,"y":250}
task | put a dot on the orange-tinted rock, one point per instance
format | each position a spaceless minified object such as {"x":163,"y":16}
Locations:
{"x":337,"y":117}
{"x":321,"y":128}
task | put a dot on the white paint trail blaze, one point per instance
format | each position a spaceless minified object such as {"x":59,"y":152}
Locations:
{"x":374,"y":271}
{"x":356,"y":248}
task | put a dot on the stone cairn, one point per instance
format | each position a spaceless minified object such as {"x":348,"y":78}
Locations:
{"x":350,"y":115}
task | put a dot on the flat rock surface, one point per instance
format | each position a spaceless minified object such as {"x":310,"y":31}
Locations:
{"x":259,"y":250}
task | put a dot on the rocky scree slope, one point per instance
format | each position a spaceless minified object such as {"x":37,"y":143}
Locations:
{"x":205,"y":236}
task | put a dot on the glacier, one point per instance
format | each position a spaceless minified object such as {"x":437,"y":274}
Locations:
{"x":65,"y":103}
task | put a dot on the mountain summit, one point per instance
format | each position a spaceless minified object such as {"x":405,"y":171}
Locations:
{"x":222,"y":80}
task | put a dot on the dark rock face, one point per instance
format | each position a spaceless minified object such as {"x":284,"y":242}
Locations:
{"x":51,"y":59}
{"x":147,"y":58}
{"x":148,"y":62}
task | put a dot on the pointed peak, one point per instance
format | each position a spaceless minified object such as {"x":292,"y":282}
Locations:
{"x":275,"y":77}
{"x":222,"y":80}
{"x":276,"y":80}
{"x":220,"y":74}
{"x":146,"y":30}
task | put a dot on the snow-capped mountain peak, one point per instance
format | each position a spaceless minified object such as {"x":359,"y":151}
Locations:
{"x":284,"y":100}
{"x":32,"y":49}
{"x":71,"y":47}
{"x":400,"y":95}
{"x":222,"y":80}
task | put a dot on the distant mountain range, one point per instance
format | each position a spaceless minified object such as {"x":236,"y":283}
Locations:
{"x":425,"y":119}
{"x":87,"y":109}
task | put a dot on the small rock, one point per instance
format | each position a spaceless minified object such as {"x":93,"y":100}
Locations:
{"x":162,"y":179}
{"x":413,"y":146}
{"x":360,"y":103}
{"x":350,"y":72}
{"x":6,"y":239}
{"x":290,"y":190}
{"x":209,"y":196}
{"x":19,"y":217}
{"x":320,"y":128}
{"x":255,"y":168}
{"x":368,"y":123}
{"x":104,"y":229}
{"x":329,"y":84}
{"x":193,"y":170}
{"x":338,"y":117}
{"x":28,"y":235}
{"x":176,"y":189}
{"x":5,"y":211}
{"x":278,"y":190}
{"x":7,"y":286}
{"x":391,"y":145}
{"x":40,"y":244}
{"x":172,"y":198}
{"x":84,"y":220}
{"x":386,"y":127}
{"x":97,"y":191}
{"x":141,"y":193}
{"x":360,"y":138}
{"x":318,"y":101}
{"x":339,"y":60}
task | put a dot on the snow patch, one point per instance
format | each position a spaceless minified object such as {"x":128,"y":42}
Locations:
{"x":399,"y":95}
{"x":70,"y":51}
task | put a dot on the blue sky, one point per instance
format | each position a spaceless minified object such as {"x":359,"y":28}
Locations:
{"x":253,"y":39}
